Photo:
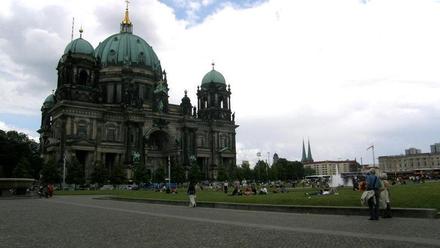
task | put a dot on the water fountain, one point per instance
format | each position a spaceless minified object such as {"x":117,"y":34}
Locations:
{"x":337,"y":180}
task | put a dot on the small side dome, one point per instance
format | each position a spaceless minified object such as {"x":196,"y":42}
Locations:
{"x":213,"y":77}
{"x":49,"y":102}
{"x":80,"y":46}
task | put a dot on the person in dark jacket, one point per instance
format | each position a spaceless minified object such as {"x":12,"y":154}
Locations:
{"x":373,"y":184}
{"x":192,"y":194}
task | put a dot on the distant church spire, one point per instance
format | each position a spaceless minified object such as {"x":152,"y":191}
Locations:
{"x":126,"y":25}
{"x":304,"y":158}
{"x":309,"y":152}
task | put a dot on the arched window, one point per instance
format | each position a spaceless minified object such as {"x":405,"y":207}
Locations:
{"x":141,"y":58}
{"x":83,"y":77}
{"x":112,"y":56}
{"x":111,"y":133}
{"x":110,"y":93}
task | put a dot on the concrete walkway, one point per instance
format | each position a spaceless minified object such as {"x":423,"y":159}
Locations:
{"x":82,"y":221}
{"x":429,"y":213}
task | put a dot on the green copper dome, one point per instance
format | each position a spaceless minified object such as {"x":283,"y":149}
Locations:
{"x":79,"y":46}
{"x":213,"y":77}
{"x":49,"y":102}
{"x":126,"y":48}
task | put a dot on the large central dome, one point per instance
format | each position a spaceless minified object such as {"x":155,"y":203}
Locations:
{"x":125,"y":48}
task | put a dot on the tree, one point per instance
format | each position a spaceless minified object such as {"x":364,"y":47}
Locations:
{"x":261,"y":171}
{"x":75,"y":172}
{"x":22,"y":169}
{"x":246,"y":172}
{"x":159,"y":175}
{"x":118,"y":175}
{"x":221,"y":174}
{"x":100,"y":174}
{"x":50,"y":172}
{"x":298,"y":170}
{"x":141,"y":174}
{"x":194,"y":172}
{"x":308,"y":171}
{"x":178,"y":173}
{"x":17,"y":148}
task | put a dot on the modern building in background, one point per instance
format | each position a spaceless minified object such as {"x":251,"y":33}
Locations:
{"x":435,"y":148}
{"x":413,"y":161}
{"x":412,"y":151}
{"x":111,"y":107}
{"x":329,"y":167}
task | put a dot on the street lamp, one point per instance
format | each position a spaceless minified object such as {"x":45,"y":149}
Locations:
{"x":268,"y":158}
{"x":374,"y":159}
{"x":64,"y":170}
{"x":169,"y":172}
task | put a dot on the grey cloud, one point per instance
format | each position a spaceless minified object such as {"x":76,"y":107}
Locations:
{"x":33,"y":42}
{"x":332,"y":137}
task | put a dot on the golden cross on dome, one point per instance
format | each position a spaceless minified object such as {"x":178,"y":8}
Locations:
{"x":126,"y":17}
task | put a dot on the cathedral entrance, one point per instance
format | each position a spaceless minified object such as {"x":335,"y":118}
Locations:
{"x":82,"y":157}
{"x":203,"y":165}
{"x":157,"y":150}
{"x":158,"y":141}
{"x":110,"y":159}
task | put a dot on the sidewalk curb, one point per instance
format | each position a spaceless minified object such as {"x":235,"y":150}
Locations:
{"x":428,"y":213}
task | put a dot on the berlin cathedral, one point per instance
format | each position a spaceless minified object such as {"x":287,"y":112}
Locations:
{"x":111,"y":107}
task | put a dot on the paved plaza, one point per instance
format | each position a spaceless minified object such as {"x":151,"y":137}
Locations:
{"x":81,"y":221}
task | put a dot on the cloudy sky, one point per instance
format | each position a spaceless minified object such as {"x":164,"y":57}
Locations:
{"x":345,"y":74}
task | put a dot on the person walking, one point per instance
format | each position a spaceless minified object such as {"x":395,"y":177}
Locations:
{"x":225,"y":187}
{"x":373,"y":186}
{"x":385,"y":196}
{"x":192,"y":194}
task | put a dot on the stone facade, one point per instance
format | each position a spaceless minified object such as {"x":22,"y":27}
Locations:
{"x":112,"y":111}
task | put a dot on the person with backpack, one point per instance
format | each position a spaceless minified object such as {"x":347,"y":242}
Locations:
{"x":373,"y":186}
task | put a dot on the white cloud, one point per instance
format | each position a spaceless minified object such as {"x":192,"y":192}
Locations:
{"x":6,"y":127}
{"x":344,"y":73}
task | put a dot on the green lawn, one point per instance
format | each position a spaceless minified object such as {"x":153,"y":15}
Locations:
{"x":425,"y":195}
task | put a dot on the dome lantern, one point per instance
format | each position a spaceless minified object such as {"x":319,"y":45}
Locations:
{"x":126,"y":25}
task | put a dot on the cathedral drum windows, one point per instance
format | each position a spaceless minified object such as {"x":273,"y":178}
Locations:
{"x":141,"y":57}
{"x":112,"y":56}
{"x":118,"y":93}
{"x":83,"y":77}
{"x":201,"y":141}
{"x":224,"y":141}
{"x":111,"y":132}
{"x":82,"y":128}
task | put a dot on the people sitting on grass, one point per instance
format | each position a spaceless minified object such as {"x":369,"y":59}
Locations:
{"x":236,"y":190}
{"x":248,"y":191}
{"x":263,"y":191}
{"x":322,"y":191}
{"x":254,"y":189}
